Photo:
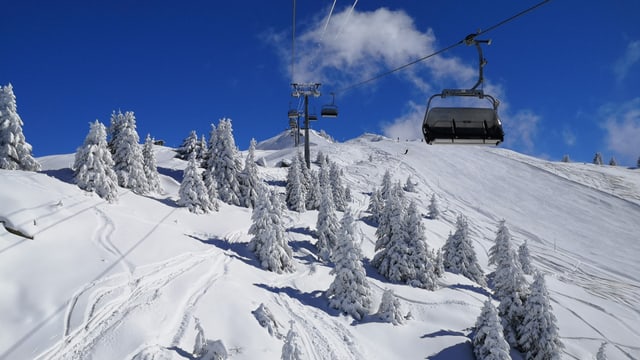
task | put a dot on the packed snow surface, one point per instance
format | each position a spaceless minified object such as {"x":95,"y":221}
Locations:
{"x":145,"y":279}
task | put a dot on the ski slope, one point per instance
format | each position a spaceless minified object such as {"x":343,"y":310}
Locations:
{"x":130,"y":280}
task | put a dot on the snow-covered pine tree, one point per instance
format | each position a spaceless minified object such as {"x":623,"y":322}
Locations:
{"x":117,"y":123}
{"x":15,"y":152}
{"x":209,"y":155}
{"x":434,"y":211}
{"x":565,"y":158}
{"x":335,"y":179}
{"x":638,"y":163}
{"x":293,"y":347}
{"x":391,"y":235}
{"x":602,"y":355}
{"x":93,"y":165}
{"x":390,"y":219}
{"x":409,"y":185}
{"x":539,"y":337}
{"x":327,"y":225}
{"x":202,"y":150}
{"x":269,"y":242}
{"x":150,"y":168}
{"x":438,"y":262}
{"x":597,"y":159}
{"x":389,"y":310}
{"x":313,"y":195}
{"x":488,"y":341}
{"x":524,"y":258}
{"x":459,"y":255}
{"x":376,"y":204}
{"x":613,"y":161}
{"x":509,"y":284}
{"x":128,"y":160}
{"x":386,"y":184}
{"x":420,"y":264}
{"x":212,"y":189}
{"x":193,"y":194}
{"x":295,"y":190}
{"x":225,"y":164}
{"x":349,"y":291}
{"x":189,"y":146}
{"x":305,"y":172}
{"x":320,"y":158}
{"x":248,"y":180}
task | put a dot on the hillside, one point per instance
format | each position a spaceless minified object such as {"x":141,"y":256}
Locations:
{"x":131,"y":280}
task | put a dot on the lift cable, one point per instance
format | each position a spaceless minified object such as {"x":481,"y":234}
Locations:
{"x":467,"y":39}
{"x":293,"y":42}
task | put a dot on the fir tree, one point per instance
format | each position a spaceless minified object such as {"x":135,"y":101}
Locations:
{"x":224,"y":163}
{"x":118,"y":122}
{"x":349,"y":291}
{"x":335,"y":179}
{"x":613,"y":161}
{"x":438,"y":262}
{"x":189,"y":146}
{"x":434,"y":211}
{"x":376,"y":204}
{"x":292,"y":348}
{"x":15,"y":152}
{"x":248,"y":179}
{"x":93,"y":165}
{"x":539,"y":335}
{"x":509,"y":284}
{"x":268,"y":242}
{"x":150,"y":168}
{"x":597,"y":159}
{"x":488,"y":341}
{"x":127,"y":158}
{"x":390,"y":219}
{"x":459,"y":255}
{"x":294,"y":190}
{"x":386,"y":184}
{"x":566,"y":158}
{"x":193,"y":193}
{"x":421,"y":270}
{"x":313,"y":194}
{"x":524,"y":258}
{"x":409,"y":185}
{"x":327,"y":225}
{"x":202,"y":149}
{"x":389,"y":310}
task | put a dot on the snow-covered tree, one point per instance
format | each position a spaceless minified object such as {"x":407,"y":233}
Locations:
{"x":349,"y":291}
{"x":295,"y":190}
{"x":565,"y":158}
{"x":127,"y":156}
{"x":421,"y":270}
{"x":488,"y":341}
{"x":390,"y":220}
{"x":539,"y":335}
{"x":269,"y":242}
{"x":248,"y":180}
{"x":438,"y":262}
{"x":193,"y":194}
{"x":386,"y":184}
{"x":320,"y":158}
{"x":459,"y":255}
{"x":376,"y":204}
{"x":327,"y":225}
{"x":313,"y":194}
{"x":602,"y":355}
{"x":613,"y":161}
{"x":202,"y":149}
{"x":93,"y":165}
{"x":224,"y":163}
{"x":208,"y":155}
{"x":409,"y":185}
{"x":335,"y":179}
{"x":190,"y":145}
{"x":638,"y":163}
{"x":150,"y":168}
{"x":597,"y":159}
{"x":389,"y":310}
{"x":15,"y":152}
{"x":293,"y":348}
{"x":509,"y":284}
{"x":117,"y":123}
{"x":434,"y":210}
{"x":524,"y":258}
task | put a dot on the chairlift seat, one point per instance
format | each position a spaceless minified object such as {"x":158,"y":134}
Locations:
{"x":462,"y":125}
{"x":293,"y":114}
{"x":329,"y":111}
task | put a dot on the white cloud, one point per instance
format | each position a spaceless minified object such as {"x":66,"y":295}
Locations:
{"x":622,"y":123}
{"x":569,"y":137}
{"x":407,"y":126}
{"x":631,"y":57}
{"x":521,"y":129}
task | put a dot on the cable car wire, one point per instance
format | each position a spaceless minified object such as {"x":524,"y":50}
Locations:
{"x":466,"y":39}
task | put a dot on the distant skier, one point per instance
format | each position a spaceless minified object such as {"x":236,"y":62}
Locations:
{"x":406,"y":151}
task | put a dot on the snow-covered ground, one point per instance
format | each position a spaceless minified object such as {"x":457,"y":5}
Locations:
{"x":130,"y":280}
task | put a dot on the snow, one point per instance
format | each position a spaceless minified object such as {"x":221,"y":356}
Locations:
{"x":133,"y":278}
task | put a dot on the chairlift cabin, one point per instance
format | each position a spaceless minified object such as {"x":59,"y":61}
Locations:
{"x":292,"y":114}
{"x":330,"y":110}
{"x":464,"y":125}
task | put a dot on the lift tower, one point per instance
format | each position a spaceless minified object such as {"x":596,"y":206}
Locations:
{"x":306,"y":90}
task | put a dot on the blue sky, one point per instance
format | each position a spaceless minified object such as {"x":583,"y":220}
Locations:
{"x":566,"y":73}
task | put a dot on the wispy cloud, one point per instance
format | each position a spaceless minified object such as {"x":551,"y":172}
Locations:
{"x":408,"y":126}
{"x":568,"y":136}
{"x":622,"y":124}
{"x":631,"y":56}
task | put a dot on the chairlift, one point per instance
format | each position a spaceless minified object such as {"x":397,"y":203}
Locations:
{"x":464,"y":125}
{"x":330,"y":110}
{"x":313,"y":116}
{"x":292,"y":114}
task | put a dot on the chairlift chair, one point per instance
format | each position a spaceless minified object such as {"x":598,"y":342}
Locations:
{"x":292,"y":114}
{"x":464,"y":125}
{"x":330,"y":110}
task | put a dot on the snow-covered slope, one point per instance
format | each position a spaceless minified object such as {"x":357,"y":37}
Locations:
{"x":132,"y":279}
